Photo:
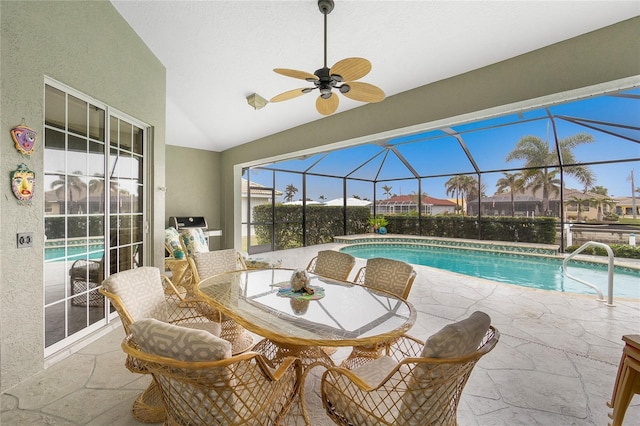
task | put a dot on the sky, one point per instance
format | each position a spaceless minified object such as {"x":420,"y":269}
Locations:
{"x":612,"y":121}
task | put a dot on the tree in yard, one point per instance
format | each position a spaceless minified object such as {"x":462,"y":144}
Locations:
{"x":453,"y":187}
{"x":514,"y":182}
{"x":387,"y":190}
{"x":541,"y":161}
{"x":290,"y":192}
{"x":599,"y":203}
{"x":600,"y":190}
{"x":579,"y":202}
{"x":74,"y":184}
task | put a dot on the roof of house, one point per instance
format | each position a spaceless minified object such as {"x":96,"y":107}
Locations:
{"x":255,"y":189}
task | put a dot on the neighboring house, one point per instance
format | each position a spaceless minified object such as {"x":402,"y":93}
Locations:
{"x":625,"y":205}
{"x":530,"y":204}
{"x":408,"y":203}
{"x":259,"y":195}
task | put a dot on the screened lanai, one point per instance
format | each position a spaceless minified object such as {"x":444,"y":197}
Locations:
{"x":575,"y":161}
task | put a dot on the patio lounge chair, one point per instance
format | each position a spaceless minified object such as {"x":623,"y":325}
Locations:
{"x":202,"y":384}
{"x":207,"y":264}
{"x":332,"y":264}
{"x":413,"y":384}
{"x":143,"y":293}
{"x":390,"y":275}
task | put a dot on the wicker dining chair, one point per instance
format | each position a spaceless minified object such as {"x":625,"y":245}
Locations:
{"x":207,"y":264}
{"x":393,"y":276}
{"x":332,"y":264}
{"x":201,"y":383}
{"x":413,"y":384}
{"x":144,"y":293}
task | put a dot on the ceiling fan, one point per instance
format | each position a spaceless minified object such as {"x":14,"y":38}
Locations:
{"x":341,"y":77}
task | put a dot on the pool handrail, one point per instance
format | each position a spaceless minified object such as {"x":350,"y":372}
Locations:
{"x":609,"y":271}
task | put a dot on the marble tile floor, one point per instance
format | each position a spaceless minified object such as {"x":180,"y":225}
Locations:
{"x":555,"y":363}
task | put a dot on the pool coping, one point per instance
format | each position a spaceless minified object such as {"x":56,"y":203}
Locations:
{"x":498,"y":247}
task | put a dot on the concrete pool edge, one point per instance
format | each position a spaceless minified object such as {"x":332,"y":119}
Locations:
{"x":497,"y":247}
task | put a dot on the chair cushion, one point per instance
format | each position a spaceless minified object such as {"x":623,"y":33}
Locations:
{"x":387,"y":274}
{"x":374,"y":371}
{"x":458,"y":339}
{"x":182,"y":343}
{"x":140,"y":291}
{"x":367,"y":408}
{"x":432,"y":384}
{"x":194,"y":241}
{"x":172,"y":242}
{"x":216,"y":262}
{"x":334,"y":264}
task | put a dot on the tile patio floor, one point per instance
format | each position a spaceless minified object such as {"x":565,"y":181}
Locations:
{"x":555,"y":363}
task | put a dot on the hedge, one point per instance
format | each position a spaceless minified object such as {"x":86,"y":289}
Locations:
{"x":325,"y":222}
{"x":322,"y":224}
{"x":619,"y":250}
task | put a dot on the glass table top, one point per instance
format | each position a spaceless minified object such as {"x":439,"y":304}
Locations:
{"x":344,"y":314}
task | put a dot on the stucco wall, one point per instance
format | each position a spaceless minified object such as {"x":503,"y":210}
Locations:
{"x":193,"y":186}
{"x":602,"y":56}
{"x":89,"y":47}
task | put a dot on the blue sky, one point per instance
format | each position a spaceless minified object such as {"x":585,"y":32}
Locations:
{"x":436,"y":153}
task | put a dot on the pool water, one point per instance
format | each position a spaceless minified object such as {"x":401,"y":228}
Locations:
{"x":523,"y":270}
{"x":55,"y":254}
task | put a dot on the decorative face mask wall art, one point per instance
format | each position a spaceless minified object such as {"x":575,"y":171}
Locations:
{"x":22,"y":182}
{"x":24,"y":138}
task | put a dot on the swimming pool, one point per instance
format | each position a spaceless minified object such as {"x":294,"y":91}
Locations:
{"x":519,"y":269}
{"x":56,"y":254}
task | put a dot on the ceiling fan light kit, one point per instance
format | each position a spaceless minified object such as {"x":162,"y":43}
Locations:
{"x":256,"y":101}
{"x":341,"y":77}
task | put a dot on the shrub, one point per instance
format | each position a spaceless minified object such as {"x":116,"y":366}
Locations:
{"x":619,"y":250}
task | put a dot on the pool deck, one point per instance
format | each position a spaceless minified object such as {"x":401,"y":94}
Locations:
{"x":555,"y":363}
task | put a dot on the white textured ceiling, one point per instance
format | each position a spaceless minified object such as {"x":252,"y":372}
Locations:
{"x":218,"y":52}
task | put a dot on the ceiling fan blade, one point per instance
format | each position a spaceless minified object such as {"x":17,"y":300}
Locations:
{"x":351,"y":68}
{"x":327,"y":106}
{"x":364,"y":92}
{"x":303,"y":75}
{"x":288,"y":95}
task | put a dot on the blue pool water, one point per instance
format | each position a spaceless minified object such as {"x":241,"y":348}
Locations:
{"x":54,"y":254}
{"x":528,"y":271}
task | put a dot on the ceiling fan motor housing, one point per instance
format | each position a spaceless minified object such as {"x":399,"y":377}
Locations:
{"x":325,"y":6}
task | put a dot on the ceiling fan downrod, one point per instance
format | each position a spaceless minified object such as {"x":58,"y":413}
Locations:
{"x":325,"y":6}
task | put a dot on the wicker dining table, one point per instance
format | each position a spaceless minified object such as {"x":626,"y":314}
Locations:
{"x":304,"y":325}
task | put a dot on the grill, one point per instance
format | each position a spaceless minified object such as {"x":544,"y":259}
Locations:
{"x":181,"y":223}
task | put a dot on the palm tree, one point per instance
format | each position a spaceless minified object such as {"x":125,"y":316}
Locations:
{"x":322,"y":198}
{"x":453,"y":187}
{"x":579,"y":202}
{"x":599,"y":203}
{"x":468,"y":189}
{"x":73,"y":184}
{"x":514,"y":182}
{"x":540,"y":159}
{"x":387,"y":191}
{"x":289,"y":193}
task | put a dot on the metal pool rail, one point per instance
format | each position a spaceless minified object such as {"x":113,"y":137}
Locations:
{"x":609,"y":271}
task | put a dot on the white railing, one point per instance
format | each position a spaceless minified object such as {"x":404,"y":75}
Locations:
{"x":610,"y":271}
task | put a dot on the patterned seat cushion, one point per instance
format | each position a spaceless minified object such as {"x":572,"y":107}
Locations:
{"x":177,"y":342}
{"x":458,"y":339}
{"x":387,"y":274}
{"x":216,"y":262}
{"x":376,"y":403}
{"x":428,"y":387}
{"x":334,"y":264}
{"x":140,"y":291}
{"x":172,"y":242}
{"x":194,"y":241}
